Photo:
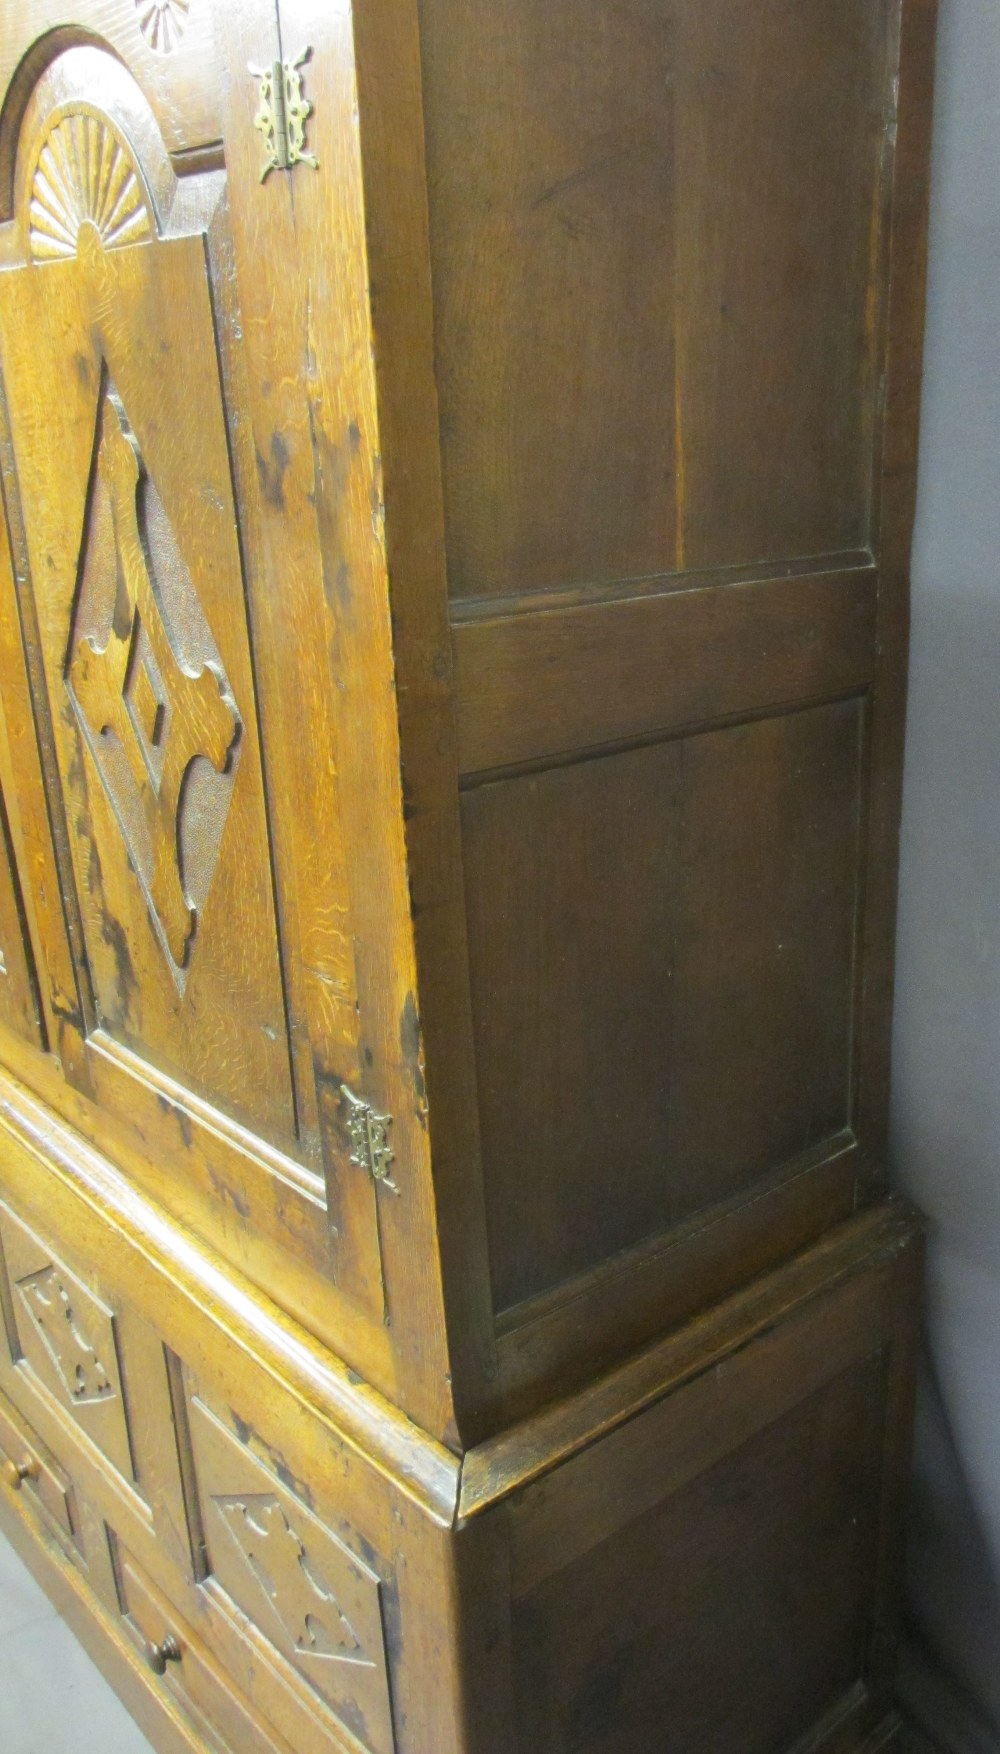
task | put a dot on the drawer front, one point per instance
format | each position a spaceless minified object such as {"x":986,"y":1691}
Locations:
{"x":29,"y":1467}
{"x":94,"y":1379}
{"x":185,"y":1669}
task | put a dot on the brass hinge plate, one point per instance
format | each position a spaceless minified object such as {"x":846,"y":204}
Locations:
{"x":282,"y":113}
{"x":369,"y":1136}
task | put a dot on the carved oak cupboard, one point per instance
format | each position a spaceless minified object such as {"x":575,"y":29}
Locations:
{"x":458,"y":465}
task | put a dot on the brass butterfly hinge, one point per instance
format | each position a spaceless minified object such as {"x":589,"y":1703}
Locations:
{"x":369,"y":1136}
{"x":281,"y":116}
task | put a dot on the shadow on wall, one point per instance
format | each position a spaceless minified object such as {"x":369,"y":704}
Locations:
{"x":946,"y":1650}
{"x":947,"y":1151}
{"x":946,"y":1088}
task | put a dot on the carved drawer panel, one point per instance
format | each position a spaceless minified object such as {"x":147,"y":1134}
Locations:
{"x":94,"y":1379}
{"x":42,"y":1483}
{"x":66,"y":1338}
{"x":317,"y":1603}
{"x":27,"y":1466}
{"x":186,"y":1669}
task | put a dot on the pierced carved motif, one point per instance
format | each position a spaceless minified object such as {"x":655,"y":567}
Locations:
{"x":149,"y":690}
{"x":162,"y":22}
{"x":65,"y":1339}
{"x":301,"y":1598}
{"x":50,"y":1303}
{"x":315,"y":1600}
{"x":85,"y":179}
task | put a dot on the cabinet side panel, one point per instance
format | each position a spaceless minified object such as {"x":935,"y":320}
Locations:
{"x":735,"y":1610}
{"x":662,"y":956}
{"x":655,"y":346}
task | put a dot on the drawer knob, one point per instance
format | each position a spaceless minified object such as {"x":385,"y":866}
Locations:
{"x":16,"y":1473}
{"x":159,"y":1655}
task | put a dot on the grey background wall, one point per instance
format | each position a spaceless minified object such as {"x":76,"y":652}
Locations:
{"x":947,"y":1049}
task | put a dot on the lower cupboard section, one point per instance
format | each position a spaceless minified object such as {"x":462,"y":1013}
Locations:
{"x":697,"y":1554}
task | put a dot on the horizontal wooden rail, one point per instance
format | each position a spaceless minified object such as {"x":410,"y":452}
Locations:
{"x":532,"y":685}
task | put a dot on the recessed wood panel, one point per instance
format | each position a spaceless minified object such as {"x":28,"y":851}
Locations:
{"x":737,"y":1611}
{"x":661,"y":946}
{"x":314,"y":1600}
{"x":656,"y":236}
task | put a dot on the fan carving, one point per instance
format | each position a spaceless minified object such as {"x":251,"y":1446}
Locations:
{"x":85,"y":177}
{"x":162,"y":22}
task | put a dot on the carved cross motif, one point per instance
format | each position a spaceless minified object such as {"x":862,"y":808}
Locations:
{"x":148,"y":714}
{"x":274,"y":1553}
{"x":50,"y":1306}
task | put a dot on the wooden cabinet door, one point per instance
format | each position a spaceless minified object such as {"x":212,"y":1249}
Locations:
{"x":196,"y":627}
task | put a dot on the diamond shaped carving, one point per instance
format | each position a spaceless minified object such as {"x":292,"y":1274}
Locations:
{"x":302,"y":1599}
{"x":316,"y":1601}
{"x":150,"y":691}
{"x":66,"y":1339}
{"x":50,"y":1303}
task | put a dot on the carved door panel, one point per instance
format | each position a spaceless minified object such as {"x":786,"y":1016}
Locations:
{"x":208,"y":971}
{"x":141,"y":631}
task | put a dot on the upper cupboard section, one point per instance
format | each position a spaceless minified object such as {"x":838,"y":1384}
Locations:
{"x":195,"y":649}
{"x":656,"y":238}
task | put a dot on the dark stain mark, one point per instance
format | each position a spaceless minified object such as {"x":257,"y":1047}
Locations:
{"x":82,"y":364}
{"x":184,"y":1125}
{"x":354,"y":1718}
{"x":603,"y":162}
{"x":354,"y":1379}
{"x":366,"y":1550}
{"x":69,"y":1016}
{"x":113,"y":935}
{"x":354,"y":435}
{"x":289,"y":1480}
{"x":228,"y":1195}
{"x":409,"y":1041}
{"x":271,"y":472}
{"x":410,"y":806}
{"x":392,"y":1624}
{"x":253,"y":1441}
{"x":330,"y":477}
{"x":330,"y":1098}
{"x":369,"y":1057}
{"x":345,"y":595}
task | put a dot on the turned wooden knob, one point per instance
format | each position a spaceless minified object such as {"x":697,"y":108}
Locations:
{"x":159,"y":1655}
{"x":15,"y":1473}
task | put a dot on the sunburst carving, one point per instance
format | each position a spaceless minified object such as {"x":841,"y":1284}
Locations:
{"x":162,"y":22}
{"x":85,"y":175}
